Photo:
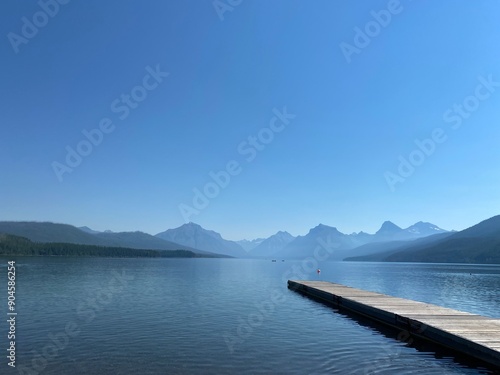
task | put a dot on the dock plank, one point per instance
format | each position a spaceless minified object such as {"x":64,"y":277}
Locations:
{"x":475,"y":335}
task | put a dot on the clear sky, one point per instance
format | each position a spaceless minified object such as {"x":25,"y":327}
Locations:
{"x":357,"y":88}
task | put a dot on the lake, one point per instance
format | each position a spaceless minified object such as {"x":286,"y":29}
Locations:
{"x":225,"y":316}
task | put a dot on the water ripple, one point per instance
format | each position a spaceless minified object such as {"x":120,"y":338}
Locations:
{"x":212,"y":316}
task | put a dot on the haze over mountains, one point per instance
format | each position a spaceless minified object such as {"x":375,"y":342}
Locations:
{"x":285,"y":246}
{"x":477,"y":244}
{"x":421,"y":242}
{"x":273,"y":244}
{"x":193,"y":237}
{"x":304,"y":246}
{"x":249,"y":245}
{"x":51,"y":232}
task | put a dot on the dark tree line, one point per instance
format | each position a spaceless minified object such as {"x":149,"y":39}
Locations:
{"x":14,"y":245}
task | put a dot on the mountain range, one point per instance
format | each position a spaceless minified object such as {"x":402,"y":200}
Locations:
{"x":249,"y":245}
{"x":272,"y":245}
{"x":45,"y":232}
{"x":194,"y":238}
{"x":343,"y":244}
{"x":477,"y":244}
{"x":421,"y":242}
{"x":285,"y":246}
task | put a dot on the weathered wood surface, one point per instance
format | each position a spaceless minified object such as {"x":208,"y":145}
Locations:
{"x":472,"y":334}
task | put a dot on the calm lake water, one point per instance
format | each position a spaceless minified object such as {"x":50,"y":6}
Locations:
{"x":224,"y":316}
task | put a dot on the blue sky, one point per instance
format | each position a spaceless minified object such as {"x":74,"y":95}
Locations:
{"x":329,"y":164}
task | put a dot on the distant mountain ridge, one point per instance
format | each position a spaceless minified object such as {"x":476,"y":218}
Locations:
{"x":341,"y":243}
{"x":425,"y":229}
{"x":195,"y":236}
{"x":272,"y":245}
{"x":390,"y":231}
{"x":388,"y":228}
{"x":249,"y":245}
{"x":304,"y":246}
{"x":64,"y":233}
{"x":477,"y":244}
{"x":420,"y":242}
{"x":88,"y":230}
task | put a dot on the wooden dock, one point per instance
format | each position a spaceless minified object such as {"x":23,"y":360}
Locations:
{"x":474,"y":335}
